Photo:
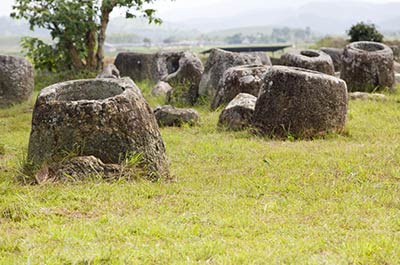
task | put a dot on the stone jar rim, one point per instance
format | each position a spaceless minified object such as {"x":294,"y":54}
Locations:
{"x":68,"y":91}
{"x":311,"y":55}
{"x":377,"y":48}
{"x":302,"y":71}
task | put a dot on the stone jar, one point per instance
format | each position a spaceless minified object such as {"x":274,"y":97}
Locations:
{"x":309,"y":59}
{"x":105,"y":118}
{"x":368,"y":66}
{"x":16,"y":80}
{"x":219,"y":61}
{"x":300,"y":103}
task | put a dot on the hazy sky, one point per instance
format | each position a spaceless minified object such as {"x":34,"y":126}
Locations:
{"x":184,"y":9}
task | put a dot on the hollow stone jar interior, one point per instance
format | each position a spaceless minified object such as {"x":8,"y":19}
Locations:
{"x":309,"y":53}
{"x":88,"y":90}
{"x":369,"y":47}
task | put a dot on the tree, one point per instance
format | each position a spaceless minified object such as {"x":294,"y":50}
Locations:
{"x":77,"y":27}
{"x":364,"y":32}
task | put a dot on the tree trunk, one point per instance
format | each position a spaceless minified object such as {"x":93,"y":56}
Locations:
{"x":91,"y":46}
{"x":91,"y":39}
{"x":76,"y":60}
{"x":105,"y":18}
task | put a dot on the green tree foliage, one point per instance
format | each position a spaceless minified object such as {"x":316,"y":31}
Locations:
{"x":77,"y":27}
{"x":364,"y":32}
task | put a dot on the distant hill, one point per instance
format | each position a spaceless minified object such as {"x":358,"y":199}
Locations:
{"x":120,"y":29}
{"x":11,"y":28}
{"x":321,"y":16}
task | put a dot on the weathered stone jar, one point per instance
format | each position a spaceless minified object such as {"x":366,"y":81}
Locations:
{"x":185,"y":79}
{"x":236,"y":80}
{"x":138,"y":66}
{"x":300,"y":103}
{"x":16,"y":80}
{"x":368,"y":66}
{"x":182,"y":70}
{"x":105,"y":118}
{"x":219,"y":61}
{"x":156,"y":66}
{"x":309,"y":59}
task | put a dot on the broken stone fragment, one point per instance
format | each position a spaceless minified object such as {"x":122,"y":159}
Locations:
{"x":239,"y":79}
{"x":161,"y":89}
{"x":77,"y":169}
{"x":239,"y":112}
{"x":366,"y":96}
{"x":171,"y":116}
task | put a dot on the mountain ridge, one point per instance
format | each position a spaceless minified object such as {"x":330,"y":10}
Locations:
{"x":322,"y":17}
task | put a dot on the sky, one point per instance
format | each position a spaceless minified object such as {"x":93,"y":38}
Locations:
{"x":179,"y":10}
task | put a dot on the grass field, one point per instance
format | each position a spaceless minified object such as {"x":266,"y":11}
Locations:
{"x":236,"y":199}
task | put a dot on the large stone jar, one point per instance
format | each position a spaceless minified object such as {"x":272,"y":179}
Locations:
{"x":368,"y":66}
{"x":138,"y":66}
{"x":105,"y":118}
{"x":16,"y":80}
{"x":295,"y":102}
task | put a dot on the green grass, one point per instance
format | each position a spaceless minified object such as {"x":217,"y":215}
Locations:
{"x":236,"y":199}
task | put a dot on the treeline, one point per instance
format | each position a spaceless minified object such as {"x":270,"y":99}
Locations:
{"x":278,"y":35}
{"x":247,"y":36}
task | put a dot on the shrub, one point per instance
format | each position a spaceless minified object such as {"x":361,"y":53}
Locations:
{"x":364,"y":32}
